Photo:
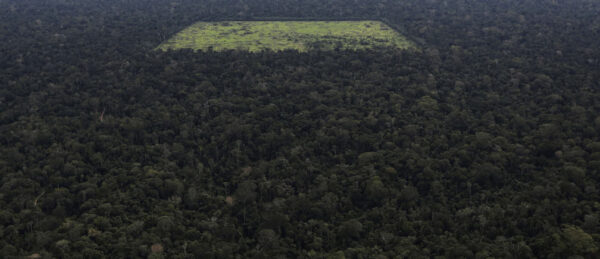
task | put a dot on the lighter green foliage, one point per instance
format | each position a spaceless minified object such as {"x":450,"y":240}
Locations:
{"x":578,"y":241}
{"x":303,"y":36}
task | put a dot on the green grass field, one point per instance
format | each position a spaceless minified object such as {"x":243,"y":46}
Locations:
{"x":280,"y":35}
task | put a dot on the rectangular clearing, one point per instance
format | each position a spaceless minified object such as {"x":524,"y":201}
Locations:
{"x":280,"y":35}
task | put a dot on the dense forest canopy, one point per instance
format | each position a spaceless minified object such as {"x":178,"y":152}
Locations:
{"x":482,"y":143}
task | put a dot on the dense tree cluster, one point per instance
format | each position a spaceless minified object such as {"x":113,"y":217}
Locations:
{"x":483,"y":143}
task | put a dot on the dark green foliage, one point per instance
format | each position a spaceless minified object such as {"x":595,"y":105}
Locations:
{"x":484,"y":143}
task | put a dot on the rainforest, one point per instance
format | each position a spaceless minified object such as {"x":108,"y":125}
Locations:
{"x":299,"y":129}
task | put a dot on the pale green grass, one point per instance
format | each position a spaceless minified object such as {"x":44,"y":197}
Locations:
{"x":280,"y":35}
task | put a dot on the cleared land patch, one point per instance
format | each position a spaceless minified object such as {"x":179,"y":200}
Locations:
{"x":280,"y":35}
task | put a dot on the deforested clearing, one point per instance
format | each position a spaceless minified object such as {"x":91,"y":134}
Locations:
{"x":303,"y":36}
